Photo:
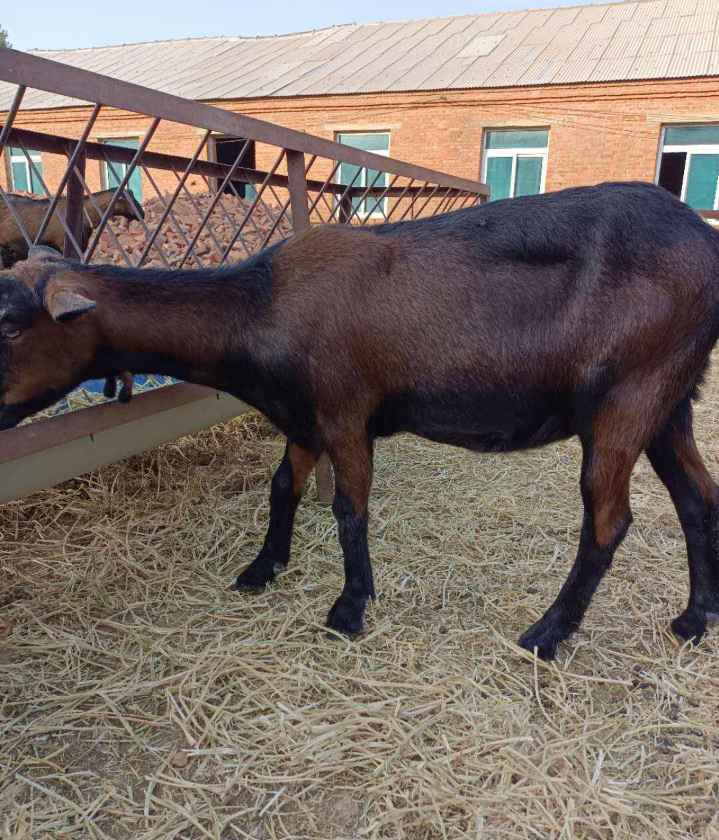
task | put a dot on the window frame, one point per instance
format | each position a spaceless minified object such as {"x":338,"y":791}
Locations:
{"x":376,"y":213}
{"x":514,"y":153}
{"x":105,"y":169}
{"x":688,"y":149}
{"x":35,"y":157}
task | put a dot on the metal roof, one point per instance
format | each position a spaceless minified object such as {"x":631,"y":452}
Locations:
{"x":639,"y":39}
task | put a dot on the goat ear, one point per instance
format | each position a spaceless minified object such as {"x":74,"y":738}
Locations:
{"x":64,"y":305}
{"x":41,"y":253}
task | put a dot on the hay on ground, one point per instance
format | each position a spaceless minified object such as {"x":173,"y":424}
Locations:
{"x":139,"y":698}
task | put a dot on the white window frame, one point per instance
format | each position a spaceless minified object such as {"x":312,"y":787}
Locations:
{"x":689,"y":149}
{"x":35,"y":157}
{"x":532,"y":151}
{"x":375,"y":214}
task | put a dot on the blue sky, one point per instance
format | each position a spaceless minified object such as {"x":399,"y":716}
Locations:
{"x":52,"y":24}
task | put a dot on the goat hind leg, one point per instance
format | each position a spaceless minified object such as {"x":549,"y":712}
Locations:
{"x":677,"y":462}
{"x":606,"y":471}
{"x":352,"y":461}
{"x":286,"y":492}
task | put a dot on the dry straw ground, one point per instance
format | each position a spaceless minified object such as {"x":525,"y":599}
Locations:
{"x":139,"y":698}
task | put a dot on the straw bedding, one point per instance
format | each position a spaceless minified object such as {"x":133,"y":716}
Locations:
{"x":139,"y":698}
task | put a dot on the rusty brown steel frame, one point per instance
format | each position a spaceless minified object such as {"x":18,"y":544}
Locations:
{"x":295,"y":196}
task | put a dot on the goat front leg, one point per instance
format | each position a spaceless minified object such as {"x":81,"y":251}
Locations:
{"x":606,"y":470}
{"x":352,"y":461}
{"x":286,"y":492}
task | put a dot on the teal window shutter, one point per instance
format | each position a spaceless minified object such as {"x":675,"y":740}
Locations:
{"x":529,"y":176}
{"x":702,"y":181}
{"x":499,"y":177}
{"x":114,"y":172}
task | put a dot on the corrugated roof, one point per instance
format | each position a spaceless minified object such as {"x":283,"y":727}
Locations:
{"x":640,"y":39}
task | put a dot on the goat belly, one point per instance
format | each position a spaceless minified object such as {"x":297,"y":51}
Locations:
{"x":490,"y":421}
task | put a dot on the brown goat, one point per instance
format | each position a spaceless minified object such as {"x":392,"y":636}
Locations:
{"x":588,"y":312}
{"x":31,"y":211}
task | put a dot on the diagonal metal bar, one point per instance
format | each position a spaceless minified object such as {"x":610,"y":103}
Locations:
{"x":280,"y":203}
{"x":228,"y":218}
{"x":399,"y":199}
{"x":4,"y":135}
{"x":324,"y":186}
{"x":16,"y":217}
{"x":274,"y":227}
{"x":429,"y":198}
{"x":121,"y":187}
{"x":379,"y":202}
{"x":442,"y":202}
{"x":12,"y":113}
{"x":254,"y":203}
{"x":138,"y":218}
{"x":173,"y":219}
{"x":204,"y":223}
{"x":62,"y":218}
{"x":79,"y":148}
{"x":232,"y":222}
{"x":415,"y":196}
{"x":355,"y":212}
{"x":327,"y":204}
{"x":454,"y":198}
{"x":344,"y":195}
{"x":116,"y":242}
{"x":168,"y":207}
{"x":235,"y":166}
{"x":149,"y":235}
{"x":328,"y":208}
{"x":463,"y":204}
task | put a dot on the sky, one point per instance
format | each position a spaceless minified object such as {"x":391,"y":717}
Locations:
{"x":54,"y":24}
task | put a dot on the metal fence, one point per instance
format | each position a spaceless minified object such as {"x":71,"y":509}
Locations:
{"x":196,"y":211}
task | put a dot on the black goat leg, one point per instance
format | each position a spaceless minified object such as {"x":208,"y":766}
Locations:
{"x":286,"y":492}
{"x":353,"y":478}
{"x":608,"y":461}
{"x":677,"y":462}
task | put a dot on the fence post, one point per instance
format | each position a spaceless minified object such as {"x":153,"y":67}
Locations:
{"x":297,"y":184}
{"x":75,"y":202}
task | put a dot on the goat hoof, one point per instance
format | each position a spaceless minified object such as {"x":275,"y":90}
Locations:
{"x":258,"y":574}
{"x":346,"y":616}
{"x":253,"y":580}
{"x":690,"y":625}
{"x":544,"y":638}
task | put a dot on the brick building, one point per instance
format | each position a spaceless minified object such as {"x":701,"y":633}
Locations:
{"x":526,"y":101}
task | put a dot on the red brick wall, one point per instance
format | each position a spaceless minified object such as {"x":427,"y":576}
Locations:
{"x":597,"y":132}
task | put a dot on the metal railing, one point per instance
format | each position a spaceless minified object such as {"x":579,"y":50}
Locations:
{"x":200,"y":213}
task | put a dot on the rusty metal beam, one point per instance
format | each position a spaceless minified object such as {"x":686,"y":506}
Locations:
{"x":54,"y":77}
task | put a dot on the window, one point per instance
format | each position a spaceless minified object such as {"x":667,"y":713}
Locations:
{"x":226,"y":150}
{"x":25,"y":177}
{"x":515,"y":162}
{"x":689,"y":164}
{"x":378,"y":143}
{"x":114,"y":172}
